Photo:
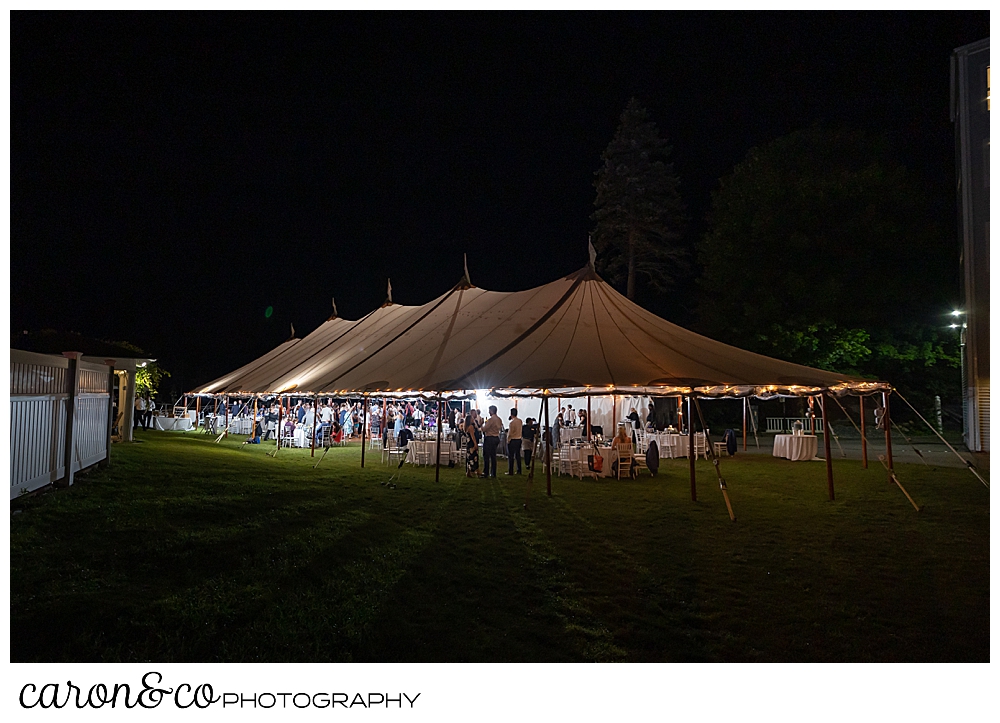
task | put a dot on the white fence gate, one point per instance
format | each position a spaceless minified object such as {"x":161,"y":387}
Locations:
{"x":42,"y":389}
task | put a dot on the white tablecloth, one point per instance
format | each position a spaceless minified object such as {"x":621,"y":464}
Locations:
{"x":428,"y":447}
{"x":795,"y":448}
{"x":580,"y":454}
{"x":672,"y":445}
{"x":173,"y":424}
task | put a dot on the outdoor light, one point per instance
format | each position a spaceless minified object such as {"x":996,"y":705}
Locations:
{"x":952,"y":326}
{"x":957,"y":313}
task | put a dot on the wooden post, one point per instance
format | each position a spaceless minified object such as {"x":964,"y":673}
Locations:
{"x":887,"y":421}
{"x":745,"y":404}
{"x":826,"y":446}
{"x":548,"y":448}
{"x":364,"y":427}
{"x":694,"y":492}
{"x":440,"y":426}
{"x":112,"y":383}
{"x":588,"y":417}
{"x":864,"y":440}
{"x":680,"y":416}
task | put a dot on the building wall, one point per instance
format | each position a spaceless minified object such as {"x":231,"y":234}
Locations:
{"x":971,"y":115}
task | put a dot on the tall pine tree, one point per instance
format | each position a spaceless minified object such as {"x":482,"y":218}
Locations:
{"x":639,"y":210}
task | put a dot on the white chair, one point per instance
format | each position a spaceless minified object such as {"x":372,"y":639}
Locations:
{"x":624,"y":455}
{"x":700,"y":445}
{"x":565,"y":459}
{"x":389,"y":449}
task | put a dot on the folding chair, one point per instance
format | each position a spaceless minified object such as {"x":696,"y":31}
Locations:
{"x":624,"y":455}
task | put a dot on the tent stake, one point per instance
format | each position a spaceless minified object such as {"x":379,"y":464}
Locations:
{"x":690,"y":421}
{"x":440,"y":424}
{"x":548,"y":448}
{"x":826,"y":446}
{"x":864,"y":440}
{"x":364,"y":426}
{"x":887,"y":421}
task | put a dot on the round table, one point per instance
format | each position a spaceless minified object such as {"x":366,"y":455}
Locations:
{"x":795,"y":447}
{"x":173,"y":424}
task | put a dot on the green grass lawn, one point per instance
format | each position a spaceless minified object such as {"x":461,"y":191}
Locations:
{"x":185,"y":550}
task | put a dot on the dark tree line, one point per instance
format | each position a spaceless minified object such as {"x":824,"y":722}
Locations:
{"x":820,"y":249}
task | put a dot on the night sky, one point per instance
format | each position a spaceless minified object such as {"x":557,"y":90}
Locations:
{"x":174,"y":175}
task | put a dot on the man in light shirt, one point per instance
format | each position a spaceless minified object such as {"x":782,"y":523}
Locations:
{"x":514,"y":443}
{"x":491,"y":440}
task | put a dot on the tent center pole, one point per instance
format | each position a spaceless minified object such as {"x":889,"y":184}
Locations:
{"x":887,"y":421}
{"x":440,"y":426}
{"x":312,"y":452}
{"x":826,"y":445}
{"x":364,"y":427}
{"x":745,"y":403}
{"x":690,"y":420}
{"x":548,"y":448}
{"x":864,"y":440}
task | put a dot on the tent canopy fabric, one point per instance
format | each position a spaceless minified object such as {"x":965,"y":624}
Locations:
{"x":575,"y":336}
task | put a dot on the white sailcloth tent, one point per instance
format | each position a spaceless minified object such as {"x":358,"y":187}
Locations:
{"x":575,"y":336}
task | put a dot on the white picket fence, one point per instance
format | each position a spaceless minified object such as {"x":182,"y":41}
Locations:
{"x":42,"y":389}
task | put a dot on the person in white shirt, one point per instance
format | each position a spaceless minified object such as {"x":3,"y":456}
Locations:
{"x":514,"y":443}
{"x":139,"y":413}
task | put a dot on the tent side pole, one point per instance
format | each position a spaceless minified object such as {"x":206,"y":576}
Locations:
{"x":887,"y":421}
{"x":864,"y":440}
{"x":254,"y":427}
{"x":197,"y":411}
{"x":312,"y":452}
{"x":694,"y":491}
{"x":226,"y":433}
{"x":548,"y":448}
{"x":745,"y":424}
{"x":826,"y":446}
{"x":588,"y":417}
{"x":281,"y":409}
{"x":440,"y":425}
{"x":364,"y":427}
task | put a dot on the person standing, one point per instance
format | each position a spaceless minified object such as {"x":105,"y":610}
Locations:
{"x":491,"y":440}
{"x":514,"y":442}
{"x":147,"y":420}
{"x":528,"y":440}
{"x":139,"y":413}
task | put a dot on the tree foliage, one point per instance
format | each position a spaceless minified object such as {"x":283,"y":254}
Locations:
{"x":820,"y":250}
{"x":639,"y":210}
{"x":147,"y":378}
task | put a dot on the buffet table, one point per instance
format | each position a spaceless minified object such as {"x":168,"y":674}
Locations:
{"x":795,"y":447}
